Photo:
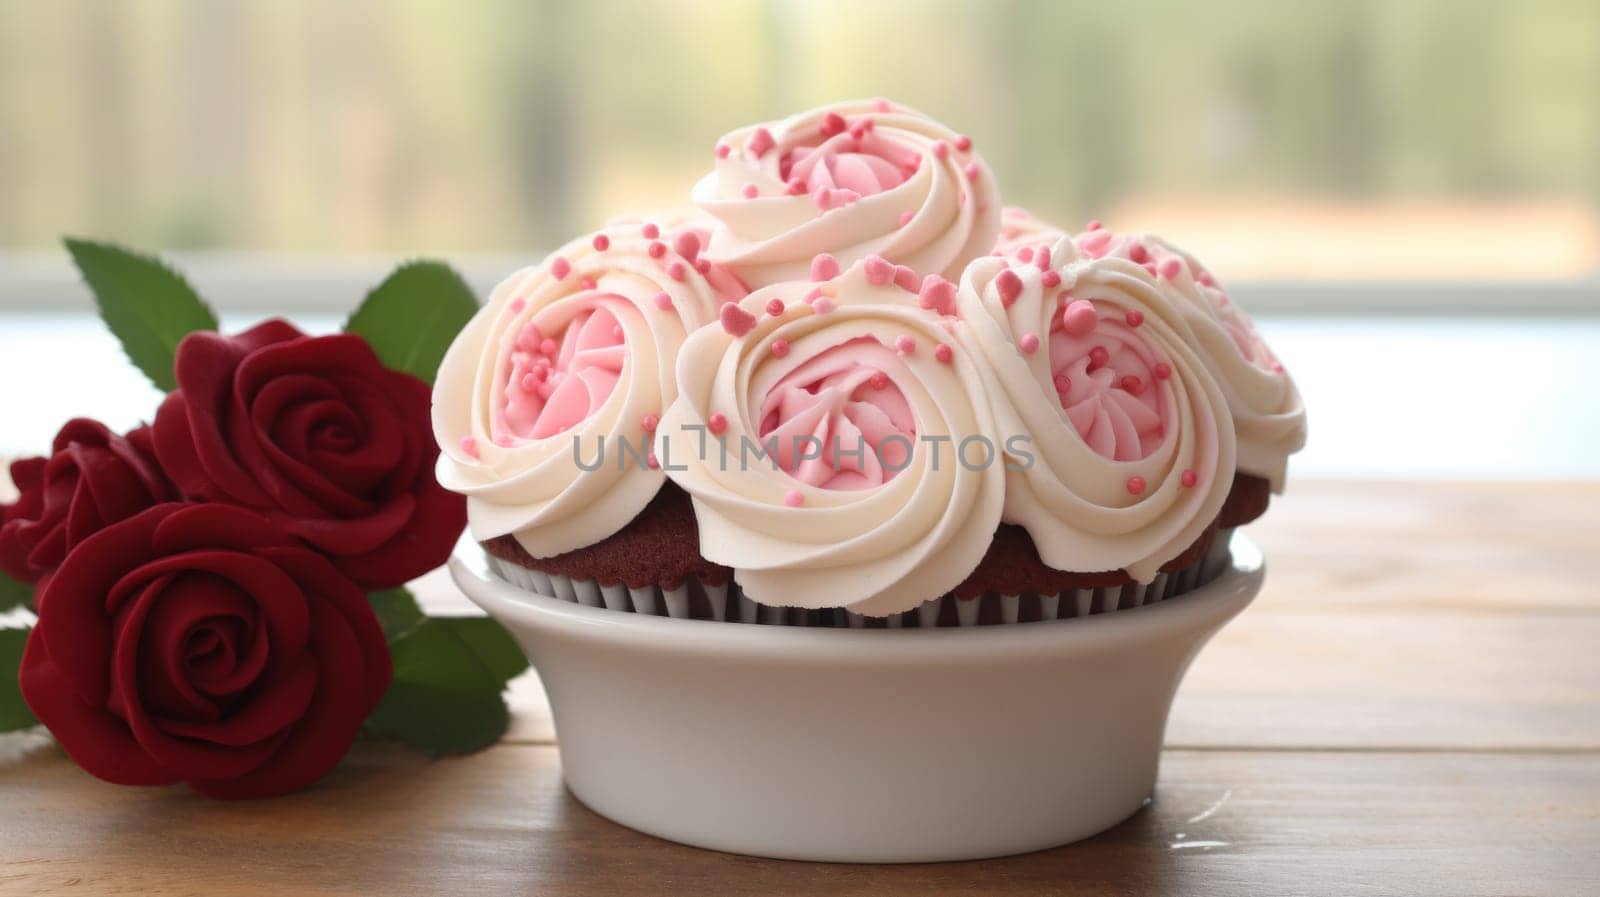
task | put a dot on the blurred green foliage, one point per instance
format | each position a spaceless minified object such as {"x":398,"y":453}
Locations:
{"x":510,"y":124}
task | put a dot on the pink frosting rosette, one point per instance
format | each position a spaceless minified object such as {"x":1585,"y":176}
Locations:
{"x":837,"y":442}
{"x":1133,"y":441}
{"x":1268,"y":415}
{"x":569,"y":355}
{"x":849,"y":179}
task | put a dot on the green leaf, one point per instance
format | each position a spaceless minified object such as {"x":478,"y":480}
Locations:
{"x":397,"y":610}
{"x":446,"y":697}
{"x":14,"y":593}
{"x":412,"y":317}
{"x":147,"y":305}
{"x":494,"y":646}
{"x":14,"y":712}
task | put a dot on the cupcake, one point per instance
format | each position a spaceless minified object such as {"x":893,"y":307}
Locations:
{"x":861,"y":397}
{"x":546,"y":403}
{"x":850,"y":180}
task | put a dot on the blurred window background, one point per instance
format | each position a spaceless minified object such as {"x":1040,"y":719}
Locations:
{"x":1411,"y":182}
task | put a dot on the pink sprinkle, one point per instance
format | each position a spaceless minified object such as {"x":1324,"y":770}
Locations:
{"x":775,"y":307}
{"x":824,"y":267}
{"x":972,"y":171}
{"x":587,"y":283}
{"x":517,"y":305}
{"x":1132,"y":383}
{"x":822,"y":305}
{"x":717,"y":423}
{"x":469,"y":445}
{"x":906,"y":216}
{"x":963,"y":142}
{"x":663,"y":302}
{"x":1189,"y":478}
{"x":1134,"y":318}
{"x":750,"y":191}
{"x":938,"y":294}
{"x":702,"y":265}
{"x":677,"y":271}
{"x":878,"y":270}
{"x":723,"y":150}
{"x":879,"y":380}
{"x":650,"y":231}
{"x":905,"y":278}
{"x":1025,"y":254}
{"x":796,"y":187}
{"x":881,"y":104}
{"x":1043,"y":258}
{"x":760,"y":142}
{"x":793,"y":498}
{"x":530,"y":381}
{"x":1170,"y":268}
{"x":687,"y":245}
{"x":1162,"y":370}
{"x":1138,"y":254}
{"x":905,"y":345}
{"x":652,"y":461}
{"x":1079,"y":318}
{"x":780,"y":348}
{"x":1094,"y":224}
{"x":1277,"y":367}
{"x":861,"y":127}
{"x":649,"y":423}
{"x":1205,"y":279}
{"x":1099,"y":357}
{"x":1063,"y":383}
{"x":1135,"y":485}
{"x":940,"y":149}
{"x":503,"y":441}
{"x":601,"y":242}
{"x":833,"y":123}
{"x":943,"y":353}
{"x":736,"y":320}
{"x":814,"y":295}
{"x":547,"y":346}
{"x":560,"y":268}
{"x":1050,"y":279}
{"x":1029,"y":343}
{"x":1094,"y":245}
{"x":657,"y":249}
{"x":1009,"y":285}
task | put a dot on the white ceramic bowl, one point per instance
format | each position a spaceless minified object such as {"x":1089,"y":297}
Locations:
{"x":863,"y":745}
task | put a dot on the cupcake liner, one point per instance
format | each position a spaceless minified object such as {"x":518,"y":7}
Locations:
{"x":695,"y":600}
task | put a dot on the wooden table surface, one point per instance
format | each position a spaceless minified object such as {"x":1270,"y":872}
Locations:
{"x":1412,"y":706}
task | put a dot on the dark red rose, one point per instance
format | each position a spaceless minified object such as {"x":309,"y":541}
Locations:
{"x":315,"y":433}
{"x":92,"y":478}
{"x":199,"y":643}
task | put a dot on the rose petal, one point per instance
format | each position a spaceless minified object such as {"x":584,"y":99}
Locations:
{"x":97,"y":741}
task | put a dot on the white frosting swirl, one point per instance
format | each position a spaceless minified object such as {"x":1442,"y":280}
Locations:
{"x":1019,"y":228}
{"x":581,"y":346}
{"x":1268,"y":415}
{"x":852,"y":180}
{"x":875,"y":543}
{"x":1134,"y":444}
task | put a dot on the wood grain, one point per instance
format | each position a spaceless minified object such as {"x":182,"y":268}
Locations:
{"x":1412,"y":706}
{"x":1235,"y":823}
